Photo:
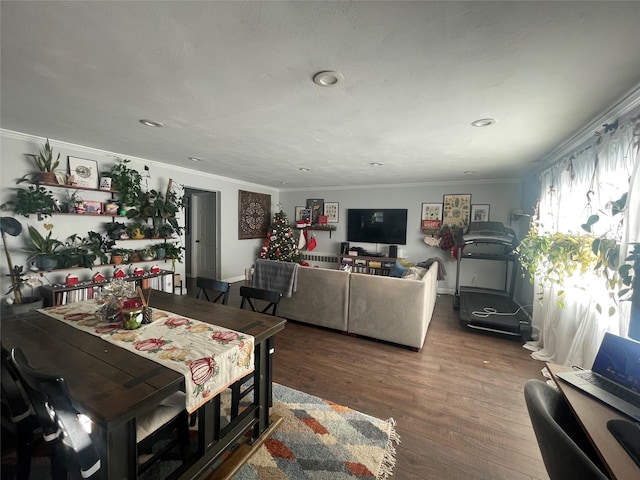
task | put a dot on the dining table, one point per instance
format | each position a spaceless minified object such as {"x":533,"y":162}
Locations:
{"x":113,"y":386}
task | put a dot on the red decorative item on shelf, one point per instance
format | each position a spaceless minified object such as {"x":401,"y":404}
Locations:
{"x":138,"y":271}
{"x":119,"y":273}
{"x":71,"y":280}
{"x":323,"y":219}
{"x":98,"y":277}
{"x":155,"y":269}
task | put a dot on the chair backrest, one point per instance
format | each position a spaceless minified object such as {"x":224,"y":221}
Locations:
{"x":222,"y":288}
{"x":49,"y":396}
{"x":250,"y":294}
{"x":565,"y":449}
{"x":13,"y":395}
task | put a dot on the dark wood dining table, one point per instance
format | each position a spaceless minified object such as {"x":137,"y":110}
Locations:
{"x":113,"y":386}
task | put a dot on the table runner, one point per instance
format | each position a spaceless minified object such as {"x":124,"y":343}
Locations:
{"x":210,"y":357}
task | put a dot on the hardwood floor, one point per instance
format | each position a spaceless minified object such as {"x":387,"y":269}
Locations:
{"x":458,"y":403}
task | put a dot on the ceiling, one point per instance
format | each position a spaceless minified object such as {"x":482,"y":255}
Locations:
{"x":232,"y":83}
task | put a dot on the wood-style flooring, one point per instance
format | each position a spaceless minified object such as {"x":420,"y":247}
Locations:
{"x":458,"y":402}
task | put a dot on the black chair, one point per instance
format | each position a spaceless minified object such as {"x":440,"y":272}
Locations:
{"x":250,"y":296}
{"x":566,"y":450}
{"x":20,"y":420}
{"x":49,"y":397}
{"x":222,"y":288}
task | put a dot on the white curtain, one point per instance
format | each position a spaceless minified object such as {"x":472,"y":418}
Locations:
{"x":573,"y":189}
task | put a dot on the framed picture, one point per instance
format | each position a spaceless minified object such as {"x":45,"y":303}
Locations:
{"x":92,"y":207}
{"x":298,"y":214}
{"x":84,"y":172}
{"x":331,"y":211}
{"x":316,"y":205}
{"x":479,"y":212}
{"x":431,"y":216}
{"x":456,"y":209}
{"x":254,"y":212}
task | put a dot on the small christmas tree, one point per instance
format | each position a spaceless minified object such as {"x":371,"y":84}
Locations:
{"x":281,"y":243}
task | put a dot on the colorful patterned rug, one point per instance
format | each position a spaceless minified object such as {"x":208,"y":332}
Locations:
{"x":317,"y":440}
{"x":321,"y":440}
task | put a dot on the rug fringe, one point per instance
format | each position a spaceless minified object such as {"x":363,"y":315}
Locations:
{"x":389,"y":458}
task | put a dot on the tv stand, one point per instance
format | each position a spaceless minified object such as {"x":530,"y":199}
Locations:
{"x":369,"y":265}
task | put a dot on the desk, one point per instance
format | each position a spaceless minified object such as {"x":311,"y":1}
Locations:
{"x":112,"y":385}
{"x":593,"y":415}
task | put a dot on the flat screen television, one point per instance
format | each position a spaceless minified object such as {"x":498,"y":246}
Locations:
{"x":377,"y":225}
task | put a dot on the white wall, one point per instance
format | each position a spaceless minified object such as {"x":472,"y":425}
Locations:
{"x":503,"y":197}
{"x":237,"y":254}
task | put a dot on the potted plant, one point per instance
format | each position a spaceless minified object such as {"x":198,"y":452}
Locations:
{"x":32,"y":200}
{"x":126,"y":181}
{"x":11,"y":226}
{"x":174,"y":252}
{"x":136,"y":230}
{"x":147,"y":254}
{"x":43,"y":249}
{"x":160,"y":251}
{"x":70,"y":201}
{"x":76,"y":252}
{"x":100,"y":245}
{"x":161,"y":209}
{"x":117,"y":231}
{"x":46,"y":164}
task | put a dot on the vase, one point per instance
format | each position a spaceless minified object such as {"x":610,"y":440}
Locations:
{"x":160,"y":253}
{"x":46,"y":262}
{"x":28,"y":304}
{"x":116,"y":259}
{"x":47,"y":177}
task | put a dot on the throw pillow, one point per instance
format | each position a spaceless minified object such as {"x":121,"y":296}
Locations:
{"x":414,"y":273}
{"x":398,"y":270}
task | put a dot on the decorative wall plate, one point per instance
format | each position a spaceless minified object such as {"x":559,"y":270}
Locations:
{"x":254,"y":213}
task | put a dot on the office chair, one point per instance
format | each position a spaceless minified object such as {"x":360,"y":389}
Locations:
{"x":249,"y":296}
{"x":49,"y":396}
{"x":222,"y":288}
{"x":565,"y":449}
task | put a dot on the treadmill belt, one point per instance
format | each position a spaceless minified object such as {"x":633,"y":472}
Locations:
{"x":477,"y":302}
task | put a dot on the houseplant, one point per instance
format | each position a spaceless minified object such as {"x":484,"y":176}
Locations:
{"x":43,"y":249}
{"x":31,"y":200}
{"x":126,"y":181}
{"x":136,"y":230}
{"x":46,"y":165}
{"x":147,"y":254}
{"x":117,"y":231}
{"x":173,"y":251}
{"x":100,"y":245}
{"x":76,"y":252}
{"x":161,"y":209}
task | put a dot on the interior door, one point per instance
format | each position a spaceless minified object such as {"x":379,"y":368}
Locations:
{"x":205,"y":257}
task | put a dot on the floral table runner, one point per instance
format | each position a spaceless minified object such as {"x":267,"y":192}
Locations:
{"x":210,"y":357}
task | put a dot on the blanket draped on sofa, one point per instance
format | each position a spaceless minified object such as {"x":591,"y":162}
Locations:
{"x":277,"y":276}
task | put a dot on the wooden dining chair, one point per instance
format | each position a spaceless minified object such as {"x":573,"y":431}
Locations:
{"x":49,"y":396}
{"x":269,"y":306}
{"x":221,"y":288}
{"x":20,"y":420}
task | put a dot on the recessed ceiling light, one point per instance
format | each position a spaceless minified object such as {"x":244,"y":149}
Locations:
{"x":327,"y":78}
{"x":303,"y":169}
{"x":151,"y":123}
{"x":377,"y":164}
{"x":195,"y":159}
{"x":469,"y":172}
{"x":483,"y":122}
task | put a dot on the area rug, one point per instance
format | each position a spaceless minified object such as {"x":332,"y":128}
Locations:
{"x":320,"y":440}
{"x":317,"y":440}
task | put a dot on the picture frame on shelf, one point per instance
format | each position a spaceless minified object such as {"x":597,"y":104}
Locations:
{"x":456,"y":210}
{"x":316,"y":205}
{"x":84,"y":172}
{"x":298,"y":213}
{"x":480,"y":212}
{"x":431,"y":216}
{"x":331,"y":210}
{"x":92,"y":207}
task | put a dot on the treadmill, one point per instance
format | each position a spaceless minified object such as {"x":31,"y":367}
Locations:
{"x":490,"y":241}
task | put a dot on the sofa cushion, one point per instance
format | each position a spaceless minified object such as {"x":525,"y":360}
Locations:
{"x":414,"y":273}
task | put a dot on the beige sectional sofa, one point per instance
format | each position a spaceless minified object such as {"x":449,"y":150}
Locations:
{"x":393,"y":309}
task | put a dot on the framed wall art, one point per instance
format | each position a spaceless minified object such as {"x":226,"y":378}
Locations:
{"x":84,"y":172}
{"x":457,"y":210}
{"x":331,"y":211}
{"x":431,"y":216}
{"x":316,"y":205}
{"x":480,"y":212}
{"x":254,"y":213}
{"x":298,"y":214}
